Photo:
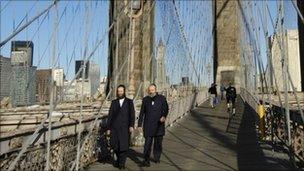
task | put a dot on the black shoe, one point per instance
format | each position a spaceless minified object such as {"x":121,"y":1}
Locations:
{"x":157,"y":161}
{"x":122,"y":167}
{"x":145,"y":163}
{"x":115,"y":164}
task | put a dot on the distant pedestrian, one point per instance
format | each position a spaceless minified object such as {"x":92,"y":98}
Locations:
{"x":213,"y":95}
{"x":222,"y":89}
{"x":153,"y":113}
{"x":230,"y":97}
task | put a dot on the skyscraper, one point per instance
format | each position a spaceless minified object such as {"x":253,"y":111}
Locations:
{"x":78,"y":65}
{"x":23,"y":76}
{"x":43,"y":80}
{"x":91,"y":78}
{"x":22,"y":53}
{"x":292,"y":54}
{"x":23,"y":85}
{"x":5,"y":72}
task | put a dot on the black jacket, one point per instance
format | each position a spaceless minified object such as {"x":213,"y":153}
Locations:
{"x":212,"y":90}
{"x":231,"y":92}
{"x":119,"y":121}
{"x":150,"y":115}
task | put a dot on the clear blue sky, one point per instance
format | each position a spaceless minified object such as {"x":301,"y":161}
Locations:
{"x":12,"y":12}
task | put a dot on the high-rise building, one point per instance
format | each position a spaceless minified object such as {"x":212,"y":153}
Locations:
{"x":78,"y":65}
{"x":22,"y":53}
{"x":58,"y":75}
{"x":69,"y":91}
{"x":5,"y":75}
{"x":23,"y":77}
{"x":23,"y":85}
{"x":43,"y":80}
{"x":94,"y":76}
{"x":131,"y":45}
{"x":83,"y":89}
{"x":292,"y":54}
{"x":91,"y":78}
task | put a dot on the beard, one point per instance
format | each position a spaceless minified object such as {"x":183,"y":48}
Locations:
{"x":121,"y":96}
{"x":152,"y":94}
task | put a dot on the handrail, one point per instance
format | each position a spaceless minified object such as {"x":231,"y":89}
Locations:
{"x":276,"y":128}
{"x":64,"y":140}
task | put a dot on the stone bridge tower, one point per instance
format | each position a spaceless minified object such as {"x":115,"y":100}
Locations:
{"x":131,"y":43}
{"x":227,"y":63}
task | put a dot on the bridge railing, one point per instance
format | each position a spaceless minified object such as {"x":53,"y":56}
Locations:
{"x":64,"y":138}
{"x":276,"y":131}
{"x":180,"y":107}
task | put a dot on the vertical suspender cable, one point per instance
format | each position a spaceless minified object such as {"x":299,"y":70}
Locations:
{"x":284,"y":72}
{"x":52,"y":93}
{"x":82,"y":96}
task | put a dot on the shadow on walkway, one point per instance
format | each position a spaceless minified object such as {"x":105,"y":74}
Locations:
{"x":250,"y":153}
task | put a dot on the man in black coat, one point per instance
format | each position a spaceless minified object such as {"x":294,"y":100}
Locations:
{"x":230,"y":97}
{"x":120,"y":124}
{"x":153,"y":113}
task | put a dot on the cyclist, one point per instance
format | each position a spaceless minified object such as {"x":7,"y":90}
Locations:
{"x":230,"y":97}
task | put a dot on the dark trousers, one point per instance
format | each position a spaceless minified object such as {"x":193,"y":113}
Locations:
{"x":157,"y":147}
{"x":232,"y":99}
{"x":121,"y":157}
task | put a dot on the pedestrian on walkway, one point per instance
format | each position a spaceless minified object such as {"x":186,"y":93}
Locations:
{"x":213,"y":95}
{"x":222,"y":89}
{"x":120,"y":124}
{"x":153,"y":113}
{"x":230,"y":97}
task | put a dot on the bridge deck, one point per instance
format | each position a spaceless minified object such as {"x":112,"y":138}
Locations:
{"x":200,"y":142}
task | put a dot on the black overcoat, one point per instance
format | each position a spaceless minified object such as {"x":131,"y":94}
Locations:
{"x":150,"y":115}
{"x":119,"y":121}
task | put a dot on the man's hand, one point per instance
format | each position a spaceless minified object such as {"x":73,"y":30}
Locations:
{"x":162,"y":119}
{"x":108,"y":132}
{"x":131,"y":129}
{"x":139,"y":128}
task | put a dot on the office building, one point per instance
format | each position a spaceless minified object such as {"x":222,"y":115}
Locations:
{"x":292,"y":54}
{"x":5,"y":74}
{"x":22,"y":53}
{"x":23,"y":85}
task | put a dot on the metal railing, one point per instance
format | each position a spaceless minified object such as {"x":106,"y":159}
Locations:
{"x":276,"y":125}
{"x":64,"y":141}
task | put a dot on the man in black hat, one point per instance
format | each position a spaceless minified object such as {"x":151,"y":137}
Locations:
{"x":153,"y":113}
{"x":120,"y":124}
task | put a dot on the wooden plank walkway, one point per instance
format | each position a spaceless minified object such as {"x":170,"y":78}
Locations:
{"x":203,"y":140}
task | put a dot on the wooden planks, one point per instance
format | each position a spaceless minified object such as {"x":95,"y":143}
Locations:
{"x":200,"y":142}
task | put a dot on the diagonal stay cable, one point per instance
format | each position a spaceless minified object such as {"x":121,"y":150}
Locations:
{"x":37,"y":132}
{"x":27,"y":24}
{"x":116,"y":77}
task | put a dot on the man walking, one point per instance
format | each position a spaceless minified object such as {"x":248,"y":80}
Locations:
{"x":222,"y":89}
{"x":213,"y":95}
{"x":230,"y":97}
{"x":120,"y":123}
{"x":153,"y":113}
